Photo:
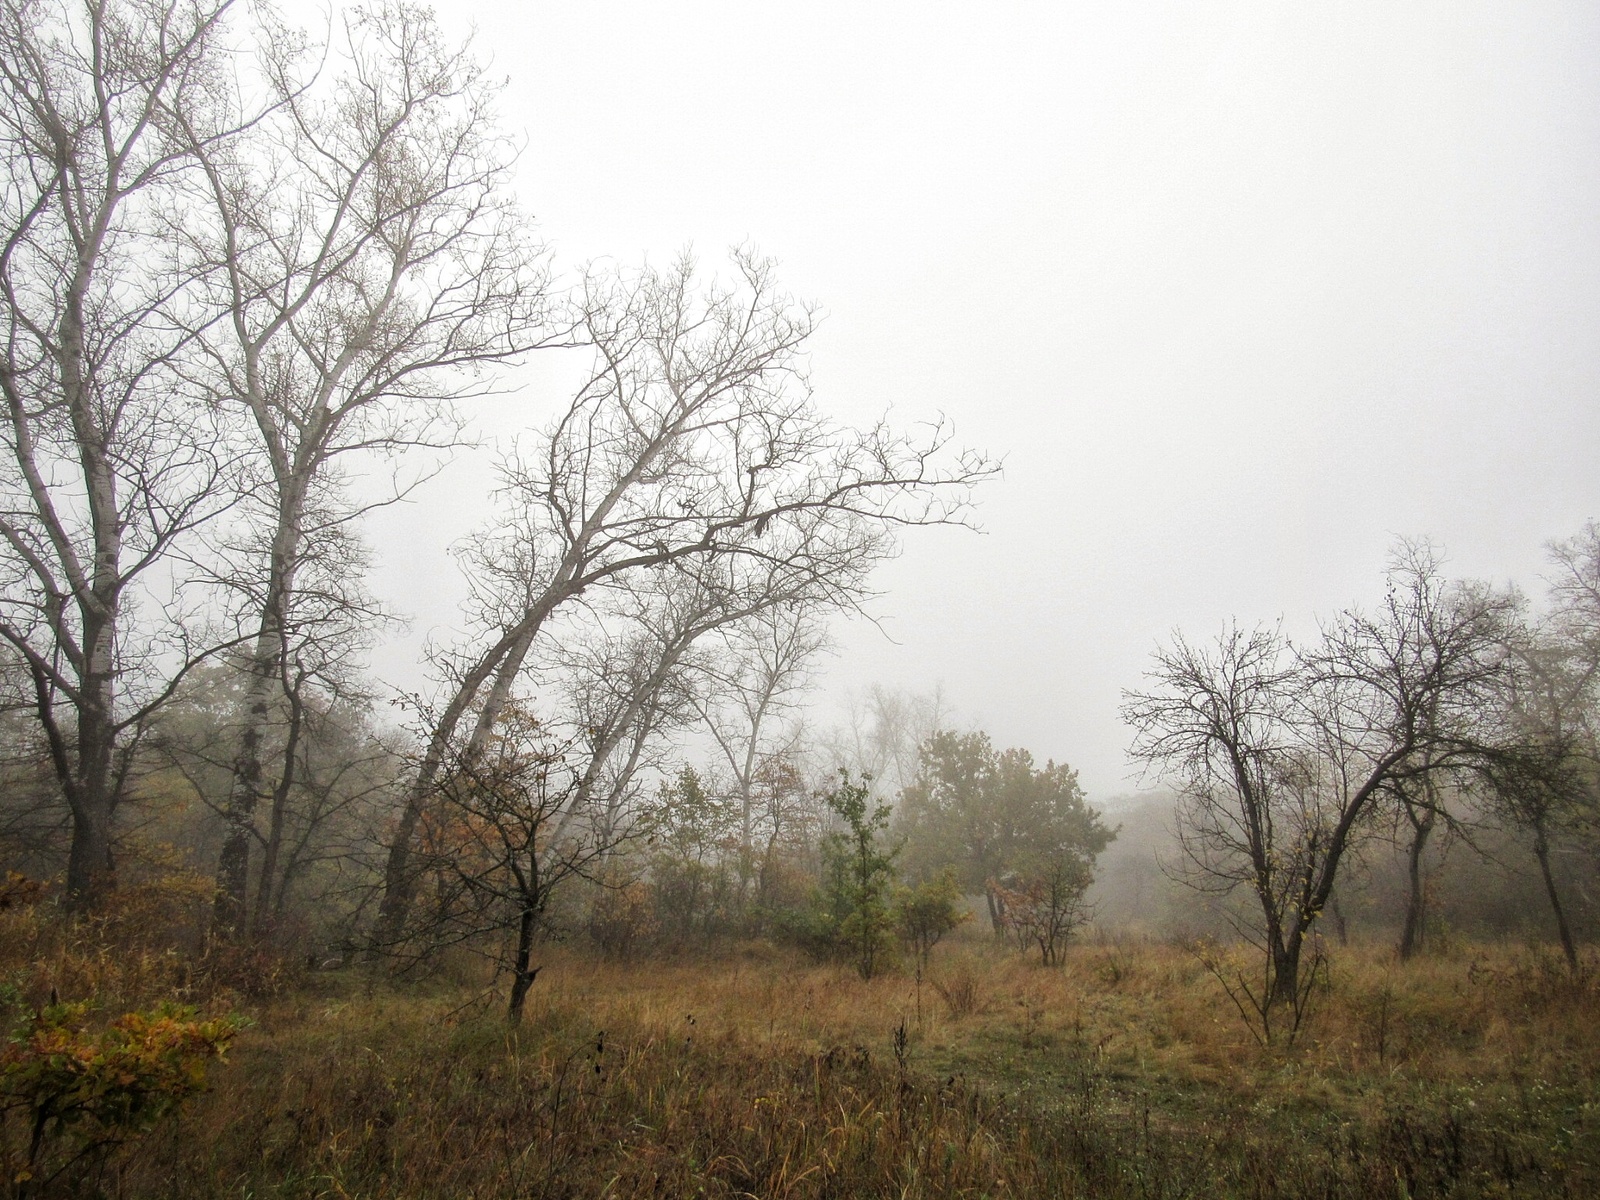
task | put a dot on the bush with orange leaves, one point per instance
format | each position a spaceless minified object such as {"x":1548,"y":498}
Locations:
{"x":69,"y":1094}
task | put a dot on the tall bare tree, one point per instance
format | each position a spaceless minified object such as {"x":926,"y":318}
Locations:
{"x":113,"y":460}
{"x":370,"y":263}
{"x":694,"y":438}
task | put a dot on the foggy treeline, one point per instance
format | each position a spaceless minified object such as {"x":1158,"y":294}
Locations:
{"x":247,"y":274}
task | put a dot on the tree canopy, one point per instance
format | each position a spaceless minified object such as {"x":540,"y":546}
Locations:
{"x":992,"y":813}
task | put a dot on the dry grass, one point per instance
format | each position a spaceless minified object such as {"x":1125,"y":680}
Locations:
{"x":1123,"y":1073}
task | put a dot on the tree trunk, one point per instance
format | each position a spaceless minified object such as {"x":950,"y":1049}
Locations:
{"x":1541,"y":850}
{"x":997,"y":914}
{"x":89,"y":865}
{"x":91,"y":874}
{"x":1414,"y":933}
{"x":264,"y":677}
{"x":1286,"y":971}
{"x":245,"y":790}
{"x":1341,"y":928}
{"x":522,"y":975}
{"x":273,"y":849}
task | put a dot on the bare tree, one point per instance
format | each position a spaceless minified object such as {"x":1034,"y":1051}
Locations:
{"x":369,"y":263}
{"x":1548,"y":785}
{"x":749,"y":706}
{"x":112,"y":460}
{"x":1280,"y":755}
{"x":884,"y":734}
{"x":694,"y":438}
{"x":497,"y":853}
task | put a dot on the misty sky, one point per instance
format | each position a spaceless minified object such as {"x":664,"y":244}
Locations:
{"x":1240,"y":292}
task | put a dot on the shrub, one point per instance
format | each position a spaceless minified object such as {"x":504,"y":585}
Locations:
{"x":1047,"y":904}
{"x":925,"y":912}
{"x":68,"y":1093}
{"x":620,"y":918}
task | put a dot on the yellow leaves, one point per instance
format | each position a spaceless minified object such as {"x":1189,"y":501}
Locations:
{"x":123,"y":1075}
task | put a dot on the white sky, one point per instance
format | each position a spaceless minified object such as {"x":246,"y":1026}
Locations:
{"x":1240,"y":291}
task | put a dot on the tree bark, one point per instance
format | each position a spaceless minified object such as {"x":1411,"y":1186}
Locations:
{"x":522,"y":974}
{"x":1286,"y":972}
{"x":1414,"y":932}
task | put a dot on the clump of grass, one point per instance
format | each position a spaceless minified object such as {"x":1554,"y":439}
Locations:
{"x":960,"y":992}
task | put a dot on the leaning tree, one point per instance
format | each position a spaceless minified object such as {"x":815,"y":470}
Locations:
{"x":694,"y":439}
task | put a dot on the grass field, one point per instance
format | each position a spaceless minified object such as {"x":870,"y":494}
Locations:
{"x":1124,"y":1073}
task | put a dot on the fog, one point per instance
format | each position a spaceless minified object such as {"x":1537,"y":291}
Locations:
{"x":1240,"y":292}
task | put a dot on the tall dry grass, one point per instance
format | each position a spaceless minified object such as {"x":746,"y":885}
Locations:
{"x":1123,"y":1073}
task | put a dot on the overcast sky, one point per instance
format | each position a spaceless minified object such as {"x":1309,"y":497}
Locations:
{"x":1240,"y":292}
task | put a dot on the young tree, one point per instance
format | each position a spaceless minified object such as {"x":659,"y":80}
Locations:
{"x":503,"y":843}
{"x":113,"y":458}
{"x":924,"y":912}
{"x":858,"y":877}
{"x":623,"y":675}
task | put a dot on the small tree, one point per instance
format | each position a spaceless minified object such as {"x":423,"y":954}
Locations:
{"x":857,"y":877}
{"x":505,"y":837}
{"x":925,"y":912}
{"x":1047,"y":905}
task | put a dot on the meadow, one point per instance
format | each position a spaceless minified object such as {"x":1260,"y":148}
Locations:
{"x":1124,"y":1072}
